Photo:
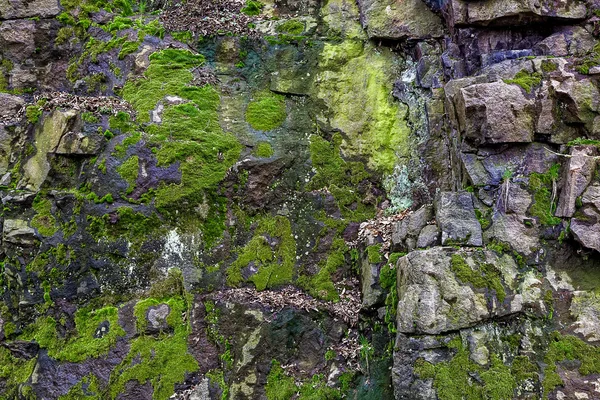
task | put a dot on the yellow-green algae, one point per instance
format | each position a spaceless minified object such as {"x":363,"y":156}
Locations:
{"x":361,"y":104}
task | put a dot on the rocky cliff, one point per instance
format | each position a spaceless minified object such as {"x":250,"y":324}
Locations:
{"x":308,"y":199}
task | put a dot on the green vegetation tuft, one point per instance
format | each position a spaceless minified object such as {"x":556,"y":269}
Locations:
{"x":568,"y":348}
{"x":374,"y":254}
{"x":128,"y":48}
{"x":266,"y":112}
{"x":162,"y":360}
{"x":272,"y":251}
{"x":252,"y":8}
{"x":14,"y":372}
{"x":88,"y":342}
{"x":44,"y":221}
{"x":292,"y":27}
{"x":279,"y":385}
{"x":33,"y":114}
{"x":487,"y":276}
{"x":543,"y":205}
{"x":526,"y":80}
{"x":129,"y":171}
{"x":263,"y":150}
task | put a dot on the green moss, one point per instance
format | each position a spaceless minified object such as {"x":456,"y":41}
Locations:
{"x":14,"y":371}
{"x":548,"y":66}
{"x":584,"y":142}
{"x":121,"y":149}
{"x":484,"y":218}
{"x":163,"y":360}
{"x":374,"y":254}
{"x":182,"y":36}
{"x":44,"y":221}
{"x":121,"y":121}
{"x":424,"y":369}
{"x":568,"y":348}
{"x":86,"y":343}
{"x":498,"y":382}
{"x":252,"y":7}
{"x":90,"y":118}
{"x":279,"y":385}
{"x":292,"y":26}
{"x":526,"y":80}
{"x":131,"y":225}
{"x":523,"y":369}
{"x":340,"y":177}
{"x":167,"y":74}
{"x":129,"y":171}
{"x":320,"y":285}
{"x":128,"y":48}
{"x":272,"y":251}
{"x":266,"y":112}
{"x":486,"y":277}
{"x":86,"y":388}
{"x":263,"y":150}
{"x":33,"y":114}
{"x":541,"y":186}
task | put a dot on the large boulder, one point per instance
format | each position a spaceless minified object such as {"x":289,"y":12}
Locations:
{"x":455,"y":215}
{"x":441,"y":289}
{"x":495,"y":113}
{"x":512,"y":12}
{"x":396,"y":19}
{"x":585,"y":227}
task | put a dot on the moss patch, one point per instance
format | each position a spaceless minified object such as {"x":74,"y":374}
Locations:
{"x":486,"y":277}
{"x":162,"y":360}
{"x":342,"y":178}
{"x":266,"y":112}
{"x":568,"y":348}
{"x":292,"y":27}
{"x":543,"y":206}
{"x":361,"y":105}
{"x":526,"y":80}
{"x":88,"y":342}
{"x":44,"y":221}
{"x":263,"y":150}
{"x":272,"y":251}
{"x":129,"y":171}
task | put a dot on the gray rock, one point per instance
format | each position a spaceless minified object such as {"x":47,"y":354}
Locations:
{"x":428,"y":237}
{"x":592,"y":196}
{"x":157,"y":318}
{"x":577,"y":175}
{"x":511,"y":12}
{"x":410,"y":227}
{"x":18,"y":9}
{"x":432,"y":300}
{"x":455,"y":216}
{"x":495,"y":113}
{"x":372,"y":294}
{"x":390,"y":19}
{"x":586,"y":228}
{"x":18,"y":231}
{"x":80,"y":143}
{"x":9,"y":107}
{"x":511,"y":229}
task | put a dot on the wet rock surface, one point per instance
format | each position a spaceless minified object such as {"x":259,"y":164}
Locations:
{"x":366,"y":199}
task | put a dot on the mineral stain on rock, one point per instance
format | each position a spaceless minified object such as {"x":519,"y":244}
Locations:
{"x":312,"y":199}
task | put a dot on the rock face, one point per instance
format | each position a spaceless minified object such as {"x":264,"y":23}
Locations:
{"x":392,"y":19}
{"x":495,"y":113}
{"x":512,"y":12}
{"x":456,"y":218}
{"x":372,"y":199}
{"x":435,"y":297}
{"x":18,"y":9}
